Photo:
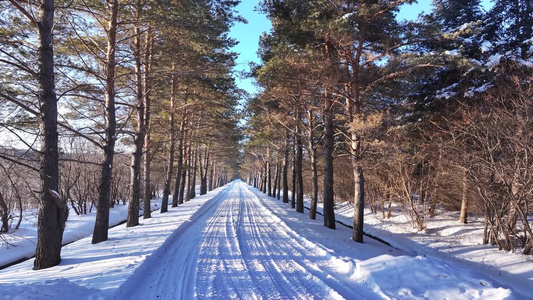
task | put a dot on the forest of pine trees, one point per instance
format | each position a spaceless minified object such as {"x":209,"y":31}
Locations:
{"x":107,"y":102}
{"x":427,"y":115}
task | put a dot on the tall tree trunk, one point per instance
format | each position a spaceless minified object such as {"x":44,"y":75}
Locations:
{"x":195,"y":169}
{"x":285,"y":170}
{"x":314,"y":172}
{"x":136,"y":157}
{"x":212,"y":176}
{"x":355,"y":151}
{"x":276,"y":175}
{"x":52,"y":210}
{"x":359,"y":193}
{"x":170,"y":163}
{"x":189,"y":171}
{"x":184,"y":175}
{"x":314,"y":181}
{"x":329,"y":214}
{"x":278,"y":196}
{"x":265,"y":178}
{"x":177,"y":183}
{"x":101,"y":225}
{"x":4,"y":214}
{"x":148,"y":140}
{"x":294,"y":182}
{"x":463,"y":218}
{"x":269,"y":173}
{"x":299,"y":171}
{"x":204,"y":170}
{"x":359,"y":209}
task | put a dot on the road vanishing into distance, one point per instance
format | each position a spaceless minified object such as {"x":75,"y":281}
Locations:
{"x":244,"y":245}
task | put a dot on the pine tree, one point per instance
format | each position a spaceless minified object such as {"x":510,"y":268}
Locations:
{"x":510,"y":28}
{"x":53,"y":210}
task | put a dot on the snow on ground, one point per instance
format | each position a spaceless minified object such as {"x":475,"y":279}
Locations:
{"x":235,"y":242}
{"x":448,"y":240}
{"x":90,"y":271}
{"x":21,"y":242}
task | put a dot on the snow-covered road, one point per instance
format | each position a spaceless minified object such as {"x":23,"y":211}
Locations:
{"x":239,"y":249}
{"x":243,"y":246}
{"x":237,"y":243}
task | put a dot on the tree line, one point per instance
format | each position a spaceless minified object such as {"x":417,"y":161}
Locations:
{"x":426,"y":115}
{"x":113,"y":101}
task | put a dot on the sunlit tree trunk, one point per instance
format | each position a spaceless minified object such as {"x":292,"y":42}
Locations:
{"x":194,"y":171}
{"x":170,"y":162}
{"x":147,"y":112}
{"x":183,"y":176}
{"x":136,"y":157}
{"x":101,"y":225}
{"x":463,"y":218}
{"x":276,"y":175}
{"x":269,"y":173}
{"x":357,"y":234}
{"x":278,"y":196}
{"x":294,"y":182}
{"x":204,"y":170}
{"x":285,"y":169}
{"x":314,"y":171}
{"x":181,"y":153}
{"x":212,"y":176}
{"x":298,"y":166}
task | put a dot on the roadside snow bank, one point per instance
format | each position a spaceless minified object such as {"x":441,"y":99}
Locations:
{"x":391,"y":272}
{"x":90,"y":271}
{"x":447,"y":240}
{"x":22,"y":242}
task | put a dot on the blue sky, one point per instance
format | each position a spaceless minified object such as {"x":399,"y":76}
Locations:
{"x":248,"y":34}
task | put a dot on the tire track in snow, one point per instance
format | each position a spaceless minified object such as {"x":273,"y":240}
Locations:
{"x":322,"y":266}
{"x":237,"y":248}
{"x":169,"y":272}
{"x":221,"y":271}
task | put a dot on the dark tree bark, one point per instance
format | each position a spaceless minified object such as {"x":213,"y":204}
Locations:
{"x":4,"y":214}
{"x":294,"y":182}
{"x":189,"y":171}
{"x":101,"y":225}
{"x":314,"y":171}
{"x":356,"y":156}
{"x":136,"y":157}
{"x":147,"y":119}
{"x":276,"y":175}
{"x":204,"y":170}
{"x":192,"y":186}
{"x":298,"y":167}
{"x":359,"y":209}
{"x":183,"y":178}
{"x":285,"y":170}
{"x":265,"y":182}
{"x":212,"y":176}
{"x":177,"y":183}
{"x":53,"y":211}
{"x":269,"y":173}
{"x":329,"y":214}
{"x":278,"y":196}
{"x":170,"y":162}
